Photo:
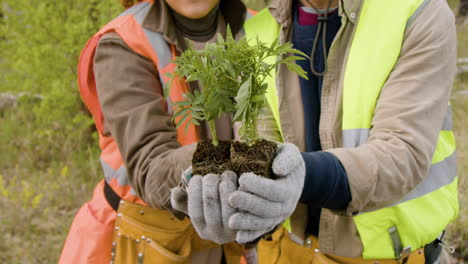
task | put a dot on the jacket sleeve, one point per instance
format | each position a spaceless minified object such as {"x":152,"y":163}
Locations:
{"x":134,"y":116}
{"x":408,"y":115}
{"x":326,"y":183}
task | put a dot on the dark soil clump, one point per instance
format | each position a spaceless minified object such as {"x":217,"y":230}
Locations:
{"x":257,"y":158}
{"x":210,"y":159}
{"x":235,"y":156}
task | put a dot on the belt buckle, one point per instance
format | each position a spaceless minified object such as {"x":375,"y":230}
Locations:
{"x":405,"y":254}
{"x":401,"y":254}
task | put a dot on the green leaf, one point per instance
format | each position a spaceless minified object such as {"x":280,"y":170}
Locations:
{"x":298,"y":52}
{"x":273,"y":45}
{"x":297,"y":69}
{"x":197,"y":108}
{"x":167,"y":89}
{"x":183,"y":103}
{"x":187,"y":126}
{"x":257,"y":98}
{"x":291,"y":58}
{"x":195,"y":121}
{"x":220,"y":37}
{"x":238,"y":115}
{"x":182,"y":120}
{"x":197,"y":115}
{"x":229,"y":35}
{"x":244,"y":91}
{"x":180,"y":112}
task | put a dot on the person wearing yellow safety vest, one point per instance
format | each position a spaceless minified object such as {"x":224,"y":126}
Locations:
{"x":369,"y":173}
{"x":121,"y":73}
{"x":384,"y":115}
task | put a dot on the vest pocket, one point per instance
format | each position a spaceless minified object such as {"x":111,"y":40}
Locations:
{"x":155,"y":253}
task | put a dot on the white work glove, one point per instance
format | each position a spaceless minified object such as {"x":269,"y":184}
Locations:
{"x":206,"y":203}
{"x":265,"y":203}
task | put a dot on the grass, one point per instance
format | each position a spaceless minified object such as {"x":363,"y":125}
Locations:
{"x":458,"y":231}
{"x":41,"y":188}
{"x":45,"y":178}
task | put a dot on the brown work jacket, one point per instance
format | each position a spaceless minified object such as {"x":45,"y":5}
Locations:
{"x":134,"y":113}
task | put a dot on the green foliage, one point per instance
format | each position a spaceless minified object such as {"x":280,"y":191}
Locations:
{"x":232,"y":74}
{"x":48,"y":148}
{"x":40,"y":54}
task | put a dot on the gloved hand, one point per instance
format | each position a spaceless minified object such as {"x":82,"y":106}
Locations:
{"x":208,"y":206}
{"x":265,"y":203}
{"x":179,"y":194}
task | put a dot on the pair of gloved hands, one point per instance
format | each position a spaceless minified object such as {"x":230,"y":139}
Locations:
{"x":222,"y":211}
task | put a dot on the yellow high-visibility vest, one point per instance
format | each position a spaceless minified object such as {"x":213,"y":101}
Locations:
{"x":425,"y":212}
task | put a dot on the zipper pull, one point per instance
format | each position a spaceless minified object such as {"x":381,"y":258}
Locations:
{"x":446,"y":246}
{"x":441,"y":242}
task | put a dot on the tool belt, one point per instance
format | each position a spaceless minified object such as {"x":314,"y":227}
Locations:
{"x":146,"y":235}
{"x":281,"y":249}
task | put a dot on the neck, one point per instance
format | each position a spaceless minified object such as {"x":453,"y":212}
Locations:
{"x":320,"y":4}
{"x":200,"y":29}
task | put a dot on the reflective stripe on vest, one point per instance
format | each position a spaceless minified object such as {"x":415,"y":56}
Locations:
{"x":149,"y":44}
{"x":443,"y":170}
{"x":425,"y":211}
{"x":156,"y":40}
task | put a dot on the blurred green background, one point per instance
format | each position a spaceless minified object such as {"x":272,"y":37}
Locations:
{"x":48,"y":149}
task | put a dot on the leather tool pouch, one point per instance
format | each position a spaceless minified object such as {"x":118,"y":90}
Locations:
{"x":146,"y":235}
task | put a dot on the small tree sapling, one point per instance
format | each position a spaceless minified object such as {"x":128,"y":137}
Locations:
{"x":232,"y":76}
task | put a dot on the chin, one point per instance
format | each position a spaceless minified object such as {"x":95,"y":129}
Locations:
{"x":193,"y":8}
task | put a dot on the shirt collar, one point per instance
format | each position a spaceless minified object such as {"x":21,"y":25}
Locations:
{"x":350,"y":8}
{"x":282,"y":9}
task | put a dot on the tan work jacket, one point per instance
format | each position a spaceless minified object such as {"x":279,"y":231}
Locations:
{"x":405,"y":126}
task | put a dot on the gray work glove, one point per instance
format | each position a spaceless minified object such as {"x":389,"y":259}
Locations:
{"x":208,"y":206}
{"x":179,"y":194}
{"x":265,"y":203}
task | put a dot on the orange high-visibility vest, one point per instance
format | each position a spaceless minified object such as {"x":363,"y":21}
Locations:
{"x":90,"y":236}
{"x":151,"y":45}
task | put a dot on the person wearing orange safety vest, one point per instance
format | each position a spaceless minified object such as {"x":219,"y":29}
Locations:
{"x":121,"y":74}
{"x":368,"y":173}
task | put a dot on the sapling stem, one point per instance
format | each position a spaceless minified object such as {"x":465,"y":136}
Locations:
{"x":212,"y":126}
{"x":250,"y":133}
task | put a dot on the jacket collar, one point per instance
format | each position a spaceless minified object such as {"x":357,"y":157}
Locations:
{"x":282,"y":9}
{"x":159,"y":19}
